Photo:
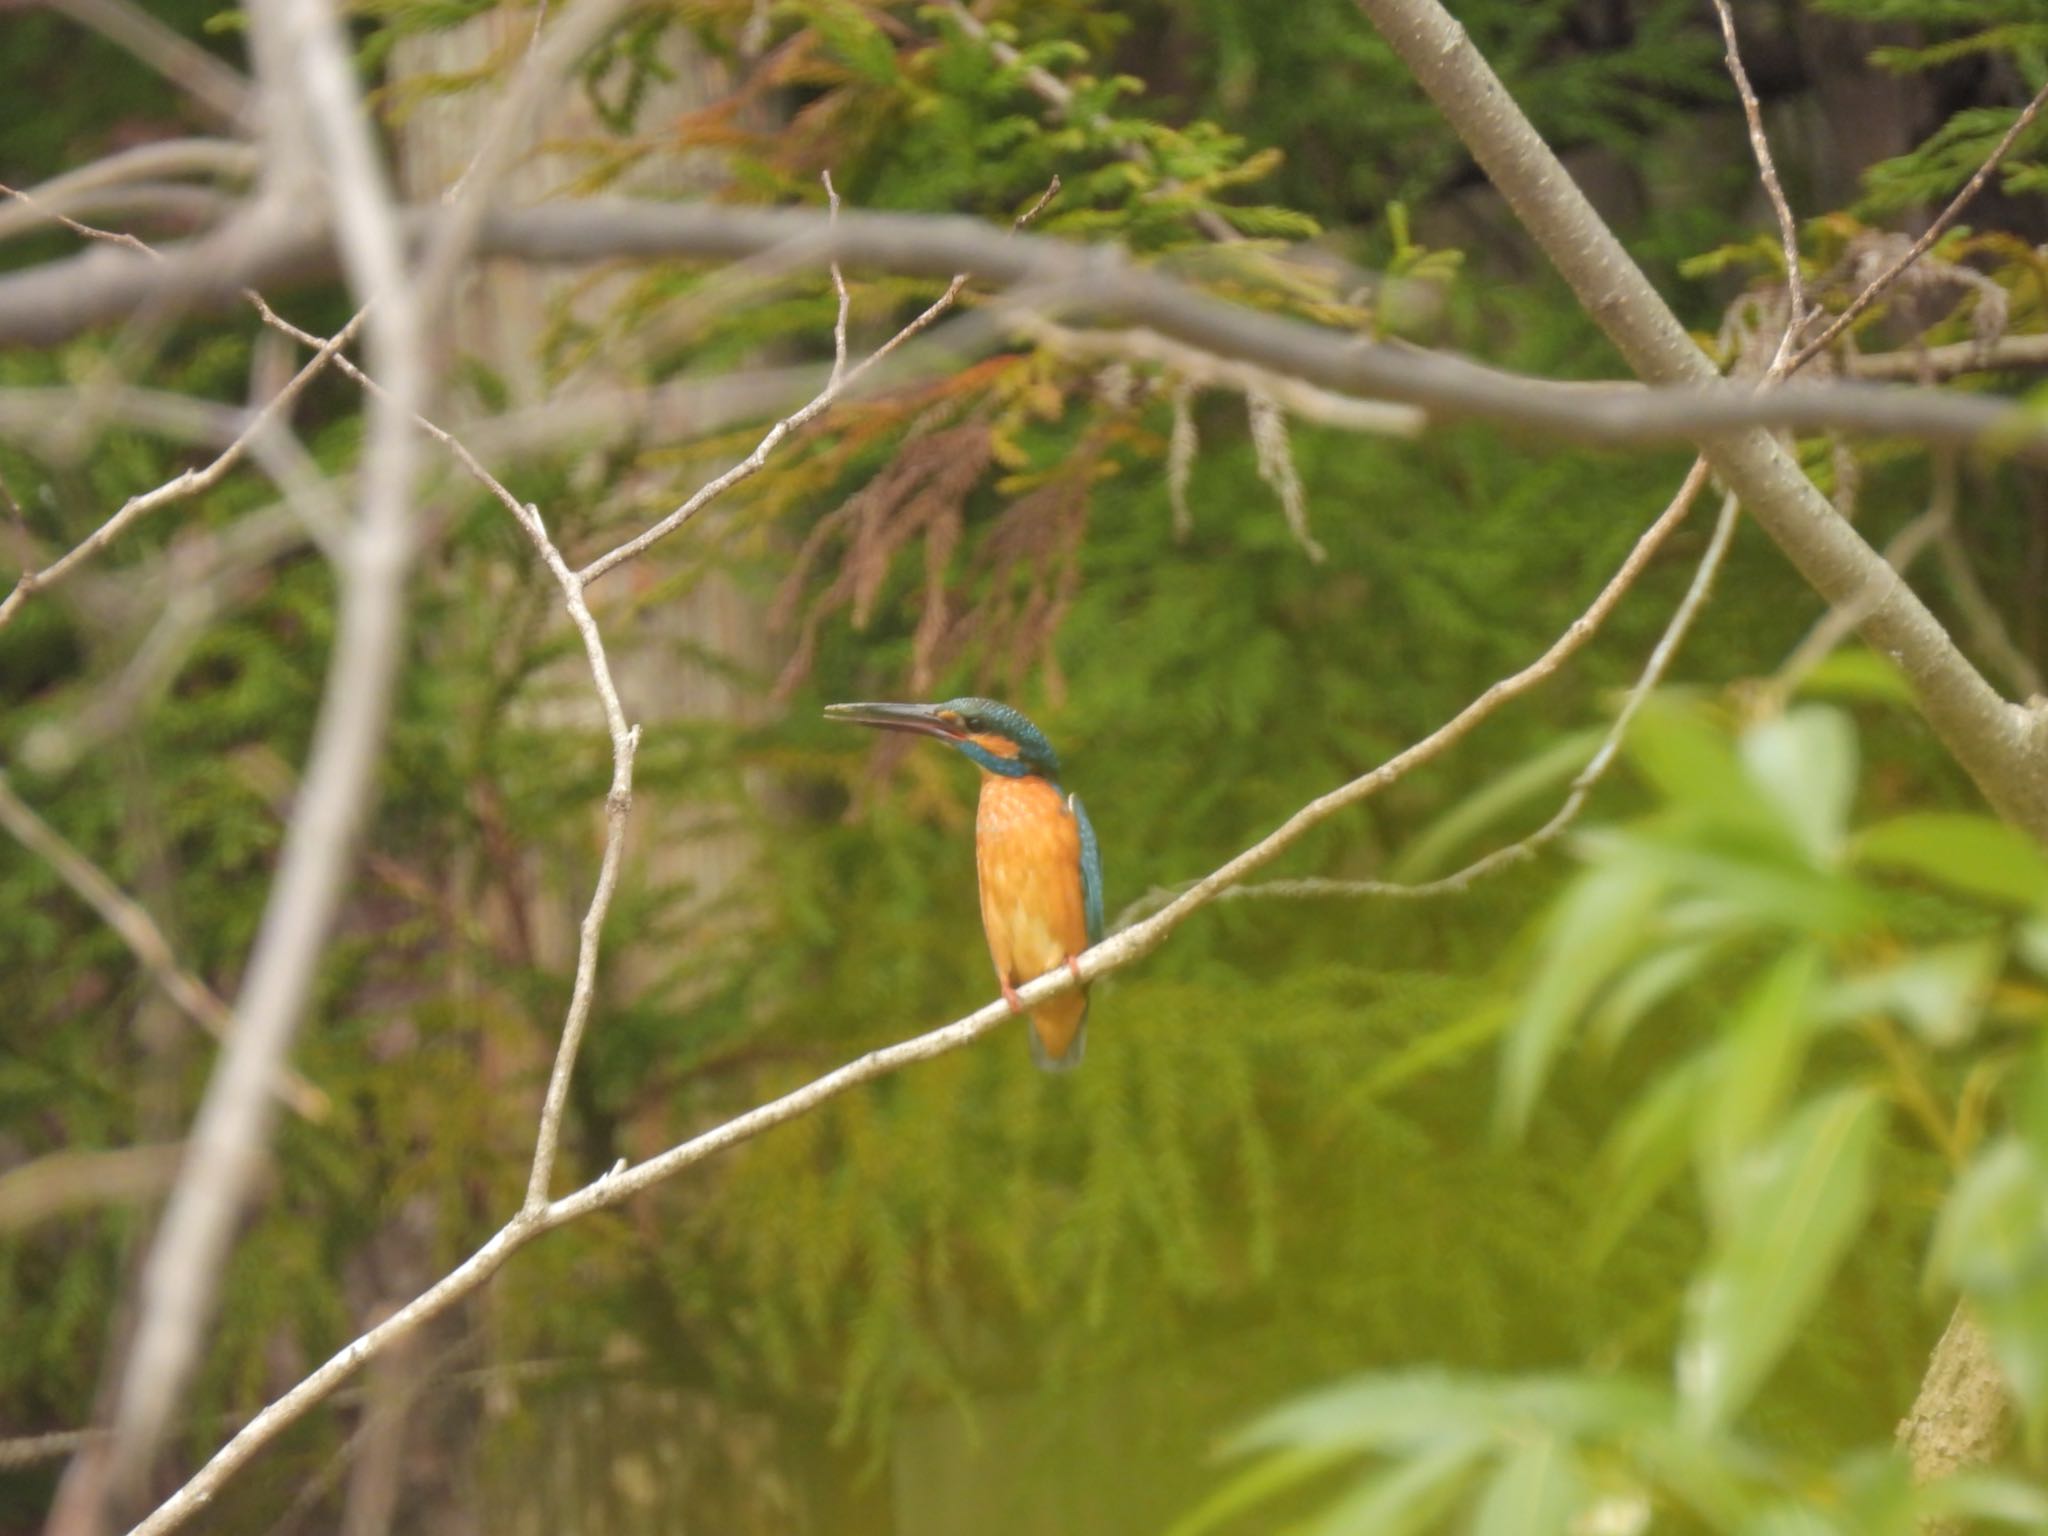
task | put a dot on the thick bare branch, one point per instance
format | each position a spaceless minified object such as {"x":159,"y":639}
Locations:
{"x":181,"y":1274}
{"x":58,"y":1182}
{"x":1999,"y":744}
{"x":47,"y":303}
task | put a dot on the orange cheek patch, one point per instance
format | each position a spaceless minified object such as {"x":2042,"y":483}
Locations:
{"x":999,"y":746}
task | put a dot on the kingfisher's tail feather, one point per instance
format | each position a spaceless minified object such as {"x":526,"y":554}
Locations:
{"x":1059,"y":1032}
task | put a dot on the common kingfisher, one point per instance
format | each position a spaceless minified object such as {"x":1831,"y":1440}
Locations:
{"x":1035,"y":855}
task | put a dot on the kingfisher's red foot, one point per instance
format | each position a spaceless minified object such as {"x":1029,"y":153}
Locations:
{"x":1010,"y":996}
{"x":1074,"y":967}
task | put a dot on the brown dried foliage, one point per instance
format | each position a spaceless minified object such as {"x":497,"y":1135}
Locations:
{"x":1007,"y":603}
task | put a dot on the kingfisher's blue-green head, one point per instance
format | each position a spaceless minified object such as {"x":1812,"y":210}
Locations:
{"x":995,"y":736}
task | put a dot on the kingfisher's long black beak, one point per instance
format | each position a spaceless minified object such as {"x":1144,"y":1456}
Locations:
{"x":921,"y":719}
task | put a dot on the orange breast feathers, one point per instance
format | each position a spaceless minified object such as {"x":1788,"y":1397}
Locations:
{"x":1027,"y":851}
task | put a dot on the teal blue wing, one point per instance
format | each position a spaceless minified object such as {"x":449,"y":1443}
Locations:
{"x":1091,"y":868}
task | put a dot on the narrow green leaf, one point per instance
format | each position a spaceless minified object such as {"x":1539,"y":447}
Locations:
{"x":1939,"y":992}
{"x":1595,"y":927}
{"x":1972,"y":854}
{"x":1409,"y":1497}
{"x":1753,"y":1071}
{"x":1797,"y":1203}
{"x":1656,"y":977}
{"x":1369,"y":1415}
{"x":1266,"y":1479}
{"x":1688,"y":757}
{"x":2009,"y":1500}
{"x":1804,"y":762}
{"x":1859,"y":674}
{"x":1645,"y":1154}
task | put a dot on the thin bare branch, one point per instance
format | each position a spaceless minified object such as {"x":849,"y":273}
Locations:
{"x":182,"y":487}
{"x":838,"y":383}
{"x":1180,"y":457}
{"x":1667,"y":521}
{"x":1947,"y":361}
{"x":1525,"y":848}
{"x":77,"y":227}
{"x":845,"y":302}
{"x":1982,"y":621}
{"x":1876,"y":288}
{"x":1114,"y":953}
{"x":1767,"y":172}
{"x":194,"y":998}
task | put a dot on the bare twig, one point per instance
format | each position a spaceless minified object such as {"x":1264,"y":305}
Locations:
{"x":190,"y":483}
{"x":1274,"y":457}
{"x":1596,"y":767}
{"x":195,"y":999}
{"x":1919,"y":248}
{"x":1981,"y":618}
{"x":1767,"y":172}
{"x":169,"y":157}
{"x":1180,"y":457}
{"x":845,"y":302}
{"x":841,"y":380}
{"x":1114,"y":953}
{"x":1926,"y":364}
{"x":1525,"y":848}
{"x":76,"y":226}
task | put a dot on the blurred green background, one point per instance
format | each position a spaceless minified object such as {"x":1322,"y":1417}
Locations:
{"x":971,"y":1297}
